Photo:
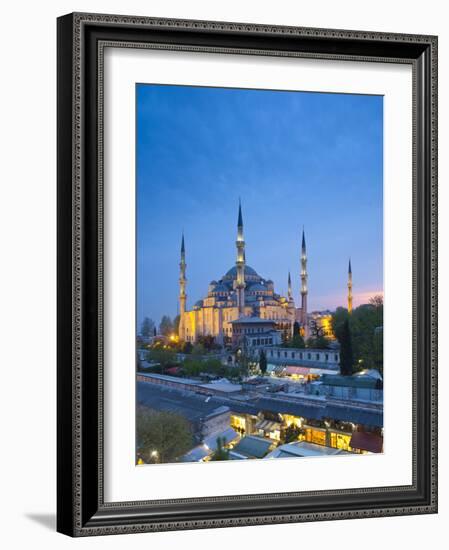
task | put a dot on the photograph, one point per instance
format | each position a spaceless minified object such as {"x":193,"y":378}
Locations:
{"x":246,"y":272}
{"x":259,"y":274}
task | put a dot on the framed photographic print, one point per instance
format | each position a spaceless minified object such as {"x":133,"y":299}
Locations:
{"x":247,"y":288}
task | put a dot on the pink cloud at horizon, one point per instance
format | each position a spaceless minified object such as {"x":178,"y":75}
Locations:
{"x":331,"y":302}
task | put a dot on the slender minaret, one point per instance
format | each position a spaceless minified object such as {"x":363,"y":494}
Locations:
{"x":304,"y":284}
{"x":240,"y":263}
{"x":182,"y":281}
{"x":349,"y":287}
{"x":289,"y":291}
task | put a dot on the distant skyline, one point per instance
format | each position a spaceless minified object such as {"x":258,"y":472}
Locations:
{"x":294,"y":158}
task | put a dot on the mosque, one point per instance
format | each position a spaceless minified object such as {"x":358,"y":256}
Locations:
{"x":241,"y":295}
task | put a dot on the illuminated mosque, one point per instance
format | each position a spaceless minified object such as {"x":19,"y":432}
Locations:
{"x":241,"y":294}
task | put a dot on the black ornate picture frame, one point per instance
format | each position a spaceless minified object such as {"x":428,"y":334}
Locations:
{"x":81,"y":510}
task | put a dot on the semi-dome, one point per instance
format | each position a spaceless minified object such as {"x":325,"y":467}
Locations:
{"x":257,"y":287}
{"x":220,"y":287}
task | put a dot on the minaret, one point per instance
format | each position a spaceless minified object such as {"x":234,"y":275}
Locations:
{"x":182,"y":281}
{"x":349,"y":287}
{"x":289,"y":291}
{"x":304,"y":284}
{"x":240,"y":263}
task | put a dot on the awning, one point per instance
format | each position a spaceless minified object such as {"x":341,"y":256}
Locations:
{"x":365,"y":441}
{"x":303,"y":371}
{"x":268,"y":425}
{"x":323,"y":371}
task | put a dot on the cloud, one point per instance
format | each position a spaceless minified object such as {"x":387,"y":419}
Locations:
{"x":332,"y":301}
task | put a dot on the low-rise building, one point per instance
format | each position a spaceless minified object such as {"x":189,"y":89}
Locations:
{"x":206,"y":417}
{"x":305,"y":357}
{"x":254,"y":332}
{"x":251,"y":446}
{"x":368,"y":442}
{"x":216,"y":387}
{"x":366,"y":386}
{"x":321,"y":418}
{"x":303,"y":449}
{"x":206,"y":449}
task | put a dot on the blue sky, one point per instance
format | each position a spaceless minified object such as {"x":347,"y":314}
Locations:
{"x":294,"y":158}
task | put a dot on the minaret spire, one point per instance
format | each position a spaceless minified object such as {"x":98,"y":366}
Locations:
{"x":289,"y":291}
{"x":240,"y":264}
{"x":349,"y":287}
{"x":304,"y":290}
{"x":182,"y":281}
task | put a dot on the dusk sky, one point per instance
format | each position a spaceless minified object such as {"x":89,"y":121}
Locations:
{"x":294,"y":158}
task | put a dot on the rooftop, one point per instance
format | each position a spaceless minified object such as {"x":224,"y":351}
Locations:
{"x":254,"y":320}
{"x":253,"y":446}
{"x":309,"y":407}
{"x":303,"y":449}
{"x":209,"y":445}
{"x":192,"y":407}
{"x":350,"y":381}
{"x":249,"y":272}
{"x":223,"y":385}
{"x":168,"y":378}
{"x":370,"y":442}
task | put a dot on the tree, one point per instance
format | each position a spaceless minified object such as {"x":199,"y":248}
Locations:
{"x":243,"y":362}
{"x":338,"y":318}
{"x":166,"y":326}
{"x":221,"y":452}
{"x":365,"y":323}
{"x":292,"y":433}
{"x":321,"y":342}
{"x":316,"y":330}
{"x":378,"y":343}
{"x":346,"y":355}
{"x":187,"y":347}
{"x":297,"y":342}
{"x":263,"y":362}
{"x":296,"y":329}
{"x":176,"y":322}
{"x":208,"y":342}
{"x":377,"y":300}
{"x":165,"y":357}
{"x":198,"y":349}
{"x":147,"y":327}
{"x":162,"y":436}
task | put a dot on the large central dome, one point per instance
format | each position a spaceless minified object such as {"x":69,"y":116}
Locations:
{"x":250,"y":274}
